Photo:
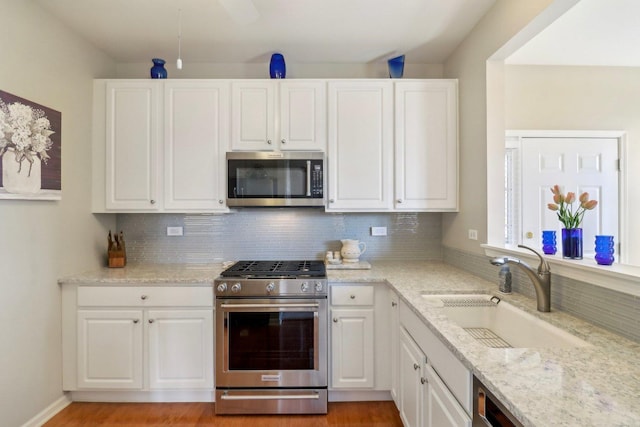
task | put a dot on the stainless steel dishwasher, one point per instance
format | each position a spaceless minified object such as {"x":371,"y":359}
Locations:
{"x":489,"y":411}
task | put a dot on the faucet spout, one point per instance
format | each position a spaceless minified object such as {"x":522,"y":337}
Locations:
{"x":541,"y":279}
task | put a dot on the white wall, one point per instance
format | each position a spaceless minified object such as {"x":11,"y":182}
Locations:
{"x":41,"y":241}
{"x":582,"y":98}
{"x":469,"y":64}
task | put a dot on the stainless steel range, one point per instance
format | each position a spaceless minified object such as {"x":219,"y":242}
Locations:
{"x":271,"y":338}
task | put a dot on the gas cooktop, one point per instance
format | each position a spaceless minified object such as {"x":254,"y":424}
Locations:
{"x":260,"y":269}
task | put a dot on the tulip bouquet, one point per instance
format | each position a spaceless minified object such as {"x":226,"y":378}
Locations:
{"x":563,"y":205}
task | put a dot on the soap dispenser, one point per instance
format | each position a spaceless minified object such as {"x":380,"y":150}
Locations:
{"x":504,"y":279}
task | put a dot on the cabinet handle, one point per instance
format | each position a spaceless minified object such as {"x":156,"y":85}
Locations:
{"x":151,"y":320}
{"x":269,"y":141}
{"x":153,"y":202}
{"x":423,"y":380}
{"x":394,"y":304}
{"x":335,"y":320}
{"x":352,"y":296}
{"x":284,"y":141}
{"x":143,"y":297}
{"x":416,"y":366}
{"x":136,"y":320}
{"x":220,"y":201}
{"x":399,"y":200}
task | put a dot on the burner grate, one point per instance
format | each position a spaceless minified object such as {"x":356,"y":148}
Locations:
{"x":276,"y":268}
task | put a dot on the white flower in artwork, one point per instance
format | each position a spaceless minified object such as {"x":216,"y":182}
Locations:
{"x":25,"y":131}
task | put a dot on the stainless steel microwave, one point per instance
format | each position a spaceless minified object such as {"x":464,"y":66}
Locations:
{"x":274,"y":178}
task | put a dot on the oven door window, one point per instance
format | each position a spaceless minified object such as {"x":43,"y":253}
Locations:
{"x":269,"y":178}
{"x":282,"y":340}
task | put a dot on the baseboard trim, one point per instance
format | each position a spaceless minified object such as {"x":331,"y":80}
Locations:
{"x":144,"y":396}
{"x":358,"y":395}
{"x":47,"y":413}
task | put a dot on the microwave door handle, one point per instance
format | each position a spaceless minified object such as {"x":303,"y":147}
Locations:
{"x":308,"y":178}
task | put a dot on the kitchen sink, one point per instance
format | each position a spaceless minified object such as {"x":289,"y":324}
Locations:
{"x":496,"y":323}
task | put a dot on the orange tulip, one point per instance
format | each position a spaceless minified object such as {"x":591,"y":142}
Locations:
{"x":552,"y":207}
{"x":571,"y":197}
{"x":584,"y":197}
{"x":564,"y":209}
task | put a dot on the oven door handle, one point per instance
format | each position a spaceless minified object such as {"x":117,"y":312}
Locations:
{"x":301,"y":305}
{"x":225,"y":396}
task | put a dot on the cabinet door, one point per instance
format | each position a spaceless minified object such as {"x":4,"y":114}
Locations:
{"x":303,"y":116}
{"x":109,"y":349}
{"x":394,"y":321}
{"x":426,"y":146}
{"x":132,"y":139}
{"x":253,"y":115}
{"x":180,"y":349}
{"x":360,"y":146}
{"x":411,"y":366}
{"x":352,"y":348}
{"x":443,"y":410}
{"x":196,"y":136}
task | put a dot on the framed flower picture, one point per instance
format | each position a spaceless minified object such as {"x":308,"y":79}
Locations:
{"x":30,"y":150}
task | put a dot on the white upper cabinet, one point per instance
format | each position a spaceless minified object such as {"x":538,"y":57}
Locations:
{"x":426,"y":145}
{"x":278,"y":115}
{"x":196,"y":134}
{"x":133,"y":135}
{"x":360,"y":145}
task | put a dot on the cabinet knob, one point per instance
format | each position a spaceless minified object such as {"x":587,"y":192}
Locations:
{"x":331,"y":200}
{"x":352,"y":296}
{"x":423,"y":380}
{"x":335,"y":320}
{"x":399,"y":200}
{"x":151,"y":320}
{"x":284,"y":141}
{"x":416,"y":366}
{"x":220,"y":201}
{"x":136,"y":320}
{"x":269,"y":141}
{"x":153,"y":202}
{"x":143,"y":297}
{"x":394,"y":304}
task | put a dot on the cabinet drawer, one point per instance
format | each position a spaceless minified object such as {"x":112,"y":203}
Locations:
{"x":352,"y":295}
{"x":143,"y":296}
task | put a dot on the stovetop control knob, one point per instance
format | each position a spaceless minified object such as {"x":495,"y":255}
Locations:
{"x":222,"y":287}
{"x":236,"y":288}
{"x":270,"y":287}
{"x":318,"y":286}
{"x":304,"y":287}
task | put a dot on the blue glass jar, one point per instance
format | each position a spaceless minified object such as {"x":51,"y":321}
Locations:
{"x":396,"y":67}
{"x":549,"y":242}
{"x":158,"y":71}
{"x":604,"y":250}
{"x":572,"y":243}
{"x":277,"y":66}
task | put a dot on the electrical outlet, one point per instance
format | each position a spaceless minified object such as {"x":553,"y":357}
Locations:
{"x":473,"y":234}
{"x":174,"y":231}
{"x":378,"y":231}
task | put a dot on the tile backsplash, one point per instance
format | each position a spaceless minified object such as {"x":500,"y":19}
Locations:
{"x":290,"y":233}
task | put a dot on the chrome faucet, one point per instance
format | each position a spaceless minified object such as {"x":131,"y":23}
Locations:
{"x":541,"y":279}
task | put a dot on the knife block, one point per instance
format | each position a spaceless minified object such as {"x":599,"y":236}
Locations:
{"x":117,"y":259}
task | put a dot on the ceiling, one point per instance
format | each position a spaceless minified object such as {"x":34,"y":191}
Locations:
{"x":593,"y":32}
{"x":304,"y":31}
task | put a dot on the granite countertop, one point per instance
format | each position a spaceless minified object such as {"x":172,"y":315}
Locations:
{"x":597,"y":385}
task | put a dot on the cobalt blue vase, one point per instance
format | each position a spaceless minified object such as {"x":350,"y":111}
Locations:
{"x":549,"y":242}
{"x":158,"y":71}
{"x":572,"y":243}
{"x":604,"y":250}
{"x":277,"y":67}
{"x":396,"y":67}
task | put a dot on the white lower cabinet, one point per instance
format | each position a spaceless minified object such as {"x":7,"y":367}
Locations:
{"x":359,"y":337}
{"x":137,"y":338}
{"x":434,"y":388}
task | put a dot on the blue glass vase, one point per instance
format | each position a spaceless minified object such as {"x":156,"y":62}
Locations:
{"x":158,"y":71}
{"x":277,"y":67}
{"x":396,"y":67}
{"x":572,"y":243}
{"x":604,"y":250}
{"x":549,"y":242}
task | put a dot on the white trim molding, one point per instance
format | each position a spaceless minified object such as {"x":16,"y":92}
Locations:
{"x":49,"y":412}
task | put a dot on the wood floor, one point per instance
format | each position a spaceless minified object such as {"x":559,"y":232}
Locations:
{"x":342,"y":414}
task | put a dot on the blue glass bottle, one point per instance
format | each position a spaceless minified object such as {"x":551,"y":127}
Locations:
{"x":549,"y":242}
{"x":277,"y":66}
{"x":604,"y":250}
{"x":158,"y":71}
{"x":396,"y":67}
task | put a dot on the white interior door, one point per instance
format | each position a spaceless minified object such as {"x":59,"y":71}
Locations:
{"x":575,"y":164}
